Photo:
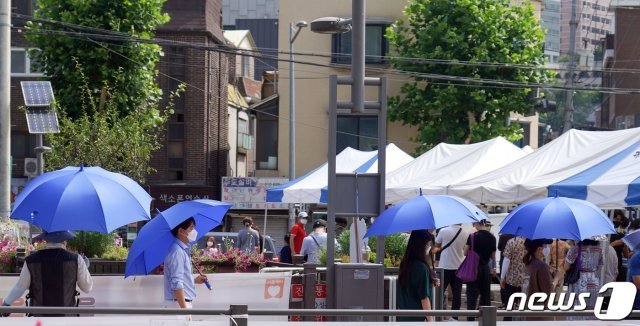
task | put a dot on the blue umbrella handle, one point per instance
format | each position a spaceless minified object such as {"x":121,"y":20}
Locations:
{"x":205,"y":281}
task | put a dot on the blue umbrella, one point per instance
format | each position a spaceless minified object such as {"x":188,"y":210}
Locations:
{"x":82,"y":199}
{"x":632,"y":240}
{"x":425,"y":212}
{"x":155,"y":238}
{"x":557,"y":217}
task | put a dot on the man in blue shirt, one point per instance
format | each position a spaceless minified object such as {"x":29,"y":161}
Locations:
{"x":633,"y":276}
{"x":179,"y":283}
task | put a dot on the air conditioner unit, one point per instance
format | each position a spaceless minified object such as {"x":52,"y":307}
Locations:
{"x":30,"y":167}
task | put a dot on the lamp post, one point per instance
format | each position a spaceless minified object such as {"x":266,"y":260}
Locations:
{"x":293,"y":34}
{"x":343,"y":205}
{"x":5,"y":109}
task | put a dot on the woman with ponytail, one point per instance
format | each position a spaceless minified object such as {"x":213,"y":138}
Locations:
{"x":415,"y":278}
{"x":540,"y":280}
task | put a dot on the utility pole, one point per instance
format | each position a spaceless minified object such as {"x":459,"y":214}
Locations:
{"x":5,"y":109}
{"x":568,"y":108}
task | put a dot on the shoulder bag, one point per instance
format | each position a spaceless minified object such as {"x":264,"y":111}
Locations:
{"x":573,"y":274}
{"x":468,"y":270}
{"x":452,"y":240}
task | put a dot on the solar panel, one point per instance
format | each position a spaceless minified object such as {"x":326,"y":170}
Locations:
{"x":42,"y":120}
{"x":37,"y":93}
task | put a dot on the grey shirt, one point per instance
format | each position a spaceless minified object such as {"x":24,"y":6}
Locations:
{"x":248,"y":240}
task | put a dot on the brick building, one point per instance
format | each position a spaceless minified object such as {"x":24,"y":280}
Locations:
{"x":22,"y":143}
{"x":620,"y":110}
{"x":195,"y":155}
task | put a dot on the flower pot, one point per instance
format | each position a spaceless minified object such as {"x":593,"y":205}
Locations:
{"x":229,"y":267}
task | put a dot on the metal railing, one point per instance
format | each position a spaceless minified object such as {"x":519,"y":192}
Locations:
{"x":239,"y":314}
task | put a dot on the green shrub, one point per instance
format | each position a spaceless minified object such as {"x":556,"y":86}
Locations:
{"x":343,"y":243}
{"x":323,"y":257}
{"x":372,"y":257}
{"x":394,"y":247}
{"x":91,"y":244}
{"x":116,"y":253}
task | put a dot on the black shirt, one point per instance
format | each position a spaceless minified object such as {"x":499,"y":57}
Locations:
{"x":484,"y":244}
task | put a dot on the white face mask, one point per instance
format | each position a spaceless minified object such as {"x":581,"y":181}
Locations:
{"x":209,"y":244}
{"x":193,"y":235}
{"x":546,"y":251}
{"x":303,"y":221}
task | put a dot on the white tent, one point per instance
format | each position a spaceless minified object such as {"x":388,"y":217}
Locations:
{"x":612,"y":183}
{"x":312,"y":187}
{"x":529,"y":177}
{"x":447,"y":164}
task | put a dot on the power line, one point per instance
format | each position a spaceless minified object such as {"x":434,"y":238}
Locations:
{"x":266,"y":113}
{"x":347,"y":67}
{"x":261,"y":51}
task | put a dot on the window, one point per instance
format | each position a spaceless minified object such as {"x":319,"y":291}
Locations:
{"x":526,"y":137}
{"x":175,"y":150}
{"x":267,"y":138}
{"x":376,"y":45}
{"x":22,"y":65}
{"x":22,"y":145}
{"x":246,"y":66}
{"x":175,"y":154}
{"x":357,"y":132}
{"x":177,"y":60}
{"x":244,"y":138}
{"x":176,"y":131}
{"x":23,"y":7}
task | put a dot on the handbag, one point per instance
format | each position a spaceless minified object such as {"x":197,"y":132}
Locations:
{"x":573,"y":274}
{"x":468,"y":270}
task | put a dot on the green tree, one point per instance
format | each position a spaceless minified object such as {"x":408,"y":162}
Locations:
{"x":584,"y":104}
{"x":134,"y":87}
{"x":106,"y":138}
{"x":475,"y":31}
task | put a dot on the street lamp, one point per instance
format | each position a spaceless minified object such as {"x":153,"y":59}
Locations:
{"x":343,"y":205}
{"x":331,"y":25}
{"x":293,"y":34}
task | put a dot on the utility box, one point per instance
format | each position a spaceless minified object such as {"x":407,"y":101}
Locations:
{"x":359,"y":286}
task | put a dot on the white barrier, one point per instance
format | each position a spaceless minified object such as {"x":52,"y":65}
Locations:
{"x":257,"y":290}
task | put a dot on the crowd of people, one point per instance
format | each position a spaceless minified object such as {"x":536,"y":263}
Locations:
{"x":525,"y":266}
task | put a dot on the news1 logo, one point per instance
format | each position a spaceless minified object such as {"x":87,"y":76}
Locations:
{"x":623,"y":295}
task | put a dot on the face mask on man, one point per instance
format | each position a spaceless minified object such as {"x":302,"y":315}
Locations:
{"x":303,"y":221}
{"x":192,"y":235}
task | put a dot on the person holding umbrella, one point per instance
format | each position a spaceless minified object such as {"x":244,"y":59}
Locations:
{"x":415,"y":276}
{"x":179,"y":283}
{"x":44,"y":274}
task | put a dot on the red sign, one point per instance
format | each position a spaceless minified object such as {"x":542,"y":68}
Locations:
{"x":297,"y":293}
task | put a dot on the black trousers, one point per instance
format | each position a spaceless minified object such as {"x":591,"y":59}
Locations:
{"x":508,"y":291}
{"x":450,"y":279}
{"x":480,"y":288}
